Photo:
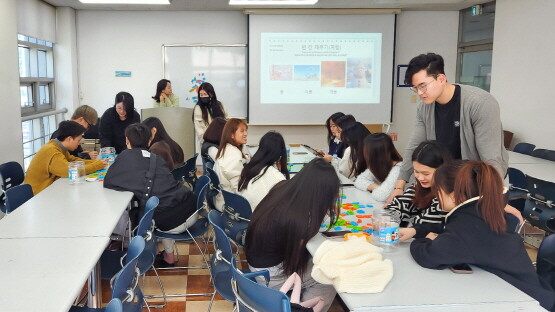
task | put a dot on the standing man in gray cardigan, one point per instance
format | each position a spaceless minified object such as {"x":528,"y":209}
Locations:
{"x":464,"y":118}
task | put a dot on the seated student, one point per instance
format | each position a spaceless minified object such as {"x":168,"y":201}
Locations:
{"x":87,"y":117}
{"x":128,"y":172}
{"x":285,"y":220}
{"x":231,"y":158}
{"x":418,"y":204}
{"x":352,"y":164}
{"x":476,"y":199}
{"x":336,"y":147}
{"x":52,"y":160}
{"x":212,"y":137}
{"x":114,"y":121}
{"x":342,"y":122}
{"x":162,"y":144}
{"x":267,"y":167}
{"x":164,"y":96}
{"x":383,"y":163}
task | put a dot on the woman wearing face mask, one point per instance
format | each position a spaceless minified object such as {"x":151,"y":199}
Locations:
{"x":114,"y":121}
{"x":164,"y":95}
{"x":207,"y":108}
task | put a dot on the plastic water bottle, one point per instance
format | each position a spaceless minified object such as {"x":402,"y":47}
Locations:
{"x":385,"y":229}
{"x":76,"y":172}
{"x":108,"y":153}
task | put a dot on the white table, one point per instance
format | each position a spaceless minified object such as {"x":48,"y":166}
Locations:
{"x":518,"y":158}
{"x":64,"y":210}
{"x":414,"y":288}
{"x":45,"y":274}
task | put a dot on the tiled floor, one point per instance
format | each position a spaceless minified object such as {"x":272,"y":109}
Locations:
{"x":187,"y":281}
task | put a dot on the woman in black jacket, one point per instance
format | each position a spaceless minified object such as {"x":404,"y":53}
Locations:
{"x":128,"y":173}
{"x":114,"y":121}
{"x":475,"y":230}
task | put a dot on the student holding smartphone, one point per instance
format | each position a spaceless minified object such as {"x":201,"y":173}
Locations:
{"x":475,"y":230}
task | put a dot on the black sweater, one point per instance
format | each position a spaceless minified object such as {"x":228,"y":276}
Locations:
{"x":467,"y":238}
{"x":128,"y":173}
{"x":112,"y":129}
{"x":336,"y":148}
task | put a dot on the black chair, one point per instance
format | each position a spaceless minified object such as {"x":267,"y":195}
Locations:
{"x":540,"y":153}
{"x":518,"y":188}
{"x":187,"y":173}
{"x":524,"y":148}
{"x":539,"y":209}
{"x":17,"y":196}
{"x":12,"y":175}
{"x":545,"y":263}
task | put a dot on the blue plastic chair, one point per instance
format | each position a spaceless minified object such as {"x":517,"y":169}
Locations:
{"x":237,"y":214}
{"x":524,"y":148}
{"x":540,"y":153}
{"x":513,"y":223}
{"x":207,"y":161}
{"x":112,"y":260}
{"x":187,"y":173}
{"x":539,"y":209}
{"x":194,"y":232}
{"x":215,"y":190}
{"x":518,"y":188}
{"x":124,"y":285}
{"x":11,"y":174}
{"x":545,"y":264}
{"x":252,"y":296}
{"x":17,"y":196}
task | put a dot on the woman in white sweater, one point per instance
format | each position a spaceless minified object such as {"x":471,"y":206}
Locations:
{"x":231,"y":158}
{"x":353,"y":164}
{"x":262,"y":173}
{"x":208,"y":107}
{"x":383,"y":163}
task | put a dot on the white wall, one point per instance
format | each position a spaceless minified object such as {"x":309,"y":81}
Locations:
{"x":10,"y":112}
{"x":522,"y":69}
{"x":421,"y":32}
{"x":116,"y":40}
{"x":65,"y":60}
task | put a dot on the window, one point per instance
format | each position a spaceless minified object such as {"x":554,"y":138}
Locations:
{"x":36,"y":85}
{"x":476,"y":45}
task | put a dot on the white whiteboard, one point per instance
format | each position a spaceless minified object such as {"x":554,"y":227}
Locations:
{"x":224,"y":66}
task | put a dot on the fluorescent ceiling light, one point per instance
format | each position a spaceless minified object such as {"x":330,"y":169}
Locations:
{"x":126,"y":1}
{"x":272,"y":2}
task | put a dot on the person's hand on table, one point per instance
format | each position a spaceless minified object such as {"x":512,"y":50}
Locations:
{"x":432,"y":235}
{"x":406,"y":233}
{"x":328,"y":158}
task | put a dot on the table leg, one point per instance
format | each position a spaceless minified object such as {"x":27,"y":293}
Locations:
{"x":94,"y":298}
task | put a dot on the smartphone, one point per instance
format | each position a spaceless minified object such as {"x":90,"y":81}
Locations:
{"x":315,"y":152}
{"x":336,"y":233}
{"x":462,"y":268}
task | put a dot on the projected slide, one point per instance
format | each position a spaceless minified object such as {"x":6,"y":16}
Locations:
{"x":320,"y":68}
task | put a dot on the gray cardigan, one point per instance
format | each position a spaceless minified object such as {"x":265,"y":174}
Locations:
{"x":481,"y":130}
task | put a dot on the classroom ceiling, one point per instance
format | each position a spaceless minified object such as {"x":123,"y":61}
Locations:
{"x":222,"y":5}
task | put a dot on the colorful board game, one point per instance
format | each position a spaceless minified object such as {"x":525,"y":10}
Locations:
{"x":354,"y":217}
{"x":96,"y":176}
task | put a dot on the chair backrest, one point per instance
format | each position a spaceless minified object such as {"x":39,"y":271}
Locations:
{"x":12,"y":174}
{"x":517,"y":178}
{"x":207,"y":161}
{"x":214,"y":177}
{"x":252,"y":296}
{"x":201,"y":189}
{"x":539,"y":209}
{"x":126,"y":280}
{"x":220,"y":263}
{"x":215,"y":189}
{"x":550,"y":155}
{"x":114,"y":305}
{"x":17,"y":196}
{"x":540,"y":153}
{"x":513,"y":223}
{"x":545,"y":263}
{"x":187,"y":172}
{"x":524,"y":148}
{"x":237,"y":214}
{"x":145,"y":229}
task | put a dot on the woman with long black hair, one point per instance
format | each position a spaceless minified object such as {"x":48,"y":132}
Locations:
{"x":267,"y":167}
{"x":162,"y":144}
{"x":352,"y":164}
{"x":286,"y":219}
{"x":114,"y":121}
{"x":207,"y":108}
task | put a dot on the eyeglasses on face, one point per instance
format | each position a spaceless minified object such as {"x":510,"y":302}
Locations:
{"x":423,"y":86}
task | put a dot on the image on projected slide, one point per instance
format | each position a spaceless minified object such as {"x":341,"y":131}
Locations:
{"x":320,"y":68}
{"x":281,"y":73}
{"x":307,"y":72}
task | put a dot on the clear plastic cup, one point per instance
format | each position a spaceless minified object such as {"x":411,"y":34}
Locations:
{"x":108,"y":153}
{"x":76,"y":172}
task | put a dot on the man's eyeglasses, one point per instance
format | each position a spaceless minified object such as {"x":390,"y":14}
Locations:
{"x":421,"y":87}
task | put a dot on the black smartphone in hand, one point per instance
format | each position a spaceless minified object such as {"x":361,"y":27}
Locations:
{"x":336,"y":233}
{"x":462,"y":268}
